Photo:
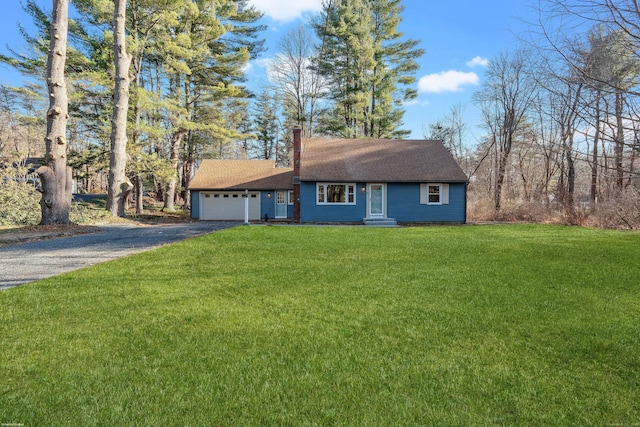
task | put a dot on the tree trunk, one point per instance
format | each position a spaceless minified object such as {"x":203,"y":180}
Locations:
{"x":619,"y":142}
{"x":56,"y":177}
{"x":560,"y":187}
{"x":526,"y":186}
{"x":119,"y":185}
{"x":176,"y":144}
{"x":502,"y":168}
{"x":635,"y":149}
{"x":189,"y":166}
{"x":138,"y":179}
{"x":594,"y":156}
{"x":606,"y":167}
{"x":170,"y":194}
{"x":571,"y":179}
{"x":139,"y":191}
{"x":504,"y":153}
{"x":186,"y":176}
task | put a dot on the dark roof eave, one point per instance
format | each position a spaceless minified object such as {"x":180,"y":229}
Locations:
{"x":439,"y":180}
{"x":239,"y":189}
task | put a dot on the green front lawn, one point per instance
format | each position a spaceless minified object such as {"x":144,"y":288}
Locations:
{"x":468,"y":325}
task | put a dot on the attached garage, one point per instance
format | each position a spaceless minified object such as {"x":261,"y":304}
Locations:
{"x":228,"y":205}
{"x":218,"y":188}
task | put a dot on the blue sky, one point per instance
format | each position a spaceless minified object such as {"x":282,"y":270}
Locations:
{"x":459,"y":37}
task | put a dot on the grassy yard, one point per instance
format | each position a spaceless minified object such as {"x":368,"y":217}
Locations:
{"x":469,"y":325}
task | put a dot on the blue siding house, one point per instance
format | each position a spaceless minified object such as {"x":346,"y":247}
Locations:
{"x":371,"y":181}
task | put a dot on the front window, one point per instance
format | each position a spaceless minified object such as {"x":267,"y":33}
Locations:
{"x":433,"y":196}
{"x":336,"y":194}
{"x":290,"y":198}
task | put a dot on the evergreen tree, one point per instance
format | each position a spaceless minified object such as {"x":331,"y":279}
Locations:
{"x":346,"y":60}
{"x":266,"y":127}
{"x":206,"y":51}
{"x":368,"y":69}
{"x":393,"y":76}
{"x":186,"y":80}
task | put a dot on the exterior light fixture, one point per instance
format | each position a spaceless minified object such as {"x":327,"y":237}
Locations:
{"x":363,"y":188}
{"x":268,"y":195}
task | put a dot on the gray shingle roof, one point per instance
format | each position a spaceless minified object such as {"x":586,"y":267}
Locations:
{"x":369,"y":160}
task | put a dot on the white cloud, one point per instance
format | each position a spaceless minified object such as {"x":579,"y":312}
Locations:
{"x":286,"y":10}
{"x":262,"y":63}
{"x":421,"y":103}
{"x":478,"y":61}
{"x":447,"y":81}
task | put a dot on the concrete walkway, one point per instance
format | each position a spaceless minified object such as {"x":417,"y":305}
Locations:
{"x":26,"y":262}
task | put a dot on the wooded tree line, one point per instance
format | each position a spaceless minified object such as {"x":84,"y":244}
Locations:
{"x":159,"y":75}
{"x":347,"y":74}
{"x":560,"y":129}
{"x":182,"y":63}
{"x":560,"y":120}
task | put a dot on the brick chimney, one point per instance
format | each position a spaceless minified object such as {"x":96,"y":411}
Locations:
{"x":297,"y":151}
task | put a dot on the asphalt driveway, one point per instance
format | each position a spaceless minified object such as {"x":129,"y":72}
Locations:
{"x":26,"y":262}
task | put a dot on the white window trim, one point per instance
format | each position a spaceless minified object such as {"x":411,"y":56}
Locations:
{"x":443,"y":191}
{"x":289,"y":197}
{"x":439,"y":186}
{"x":347,"y":185}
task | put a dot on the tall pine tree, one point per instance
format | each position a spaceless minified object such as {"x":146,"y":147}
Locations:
{"x":369,"y":69}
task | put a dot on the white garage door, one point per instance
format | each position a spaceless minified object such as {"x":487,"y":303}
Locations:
{"x":228,"y":205}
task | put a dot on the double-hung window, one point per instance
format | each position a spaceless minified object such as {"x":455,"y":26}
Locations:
{"x":434,"y":194}
{"x":336,"y":194}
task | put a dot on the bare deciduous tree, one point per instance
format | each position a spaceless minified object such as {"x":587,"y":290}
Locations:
{"x":300,"y":85}
{"x":504,"y":99}
{"x":451,"y":129}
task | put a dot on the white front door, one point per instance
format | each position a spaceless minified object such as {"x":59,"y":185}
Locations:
{"x":377,"y":201}
{"x":281,"y":204}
